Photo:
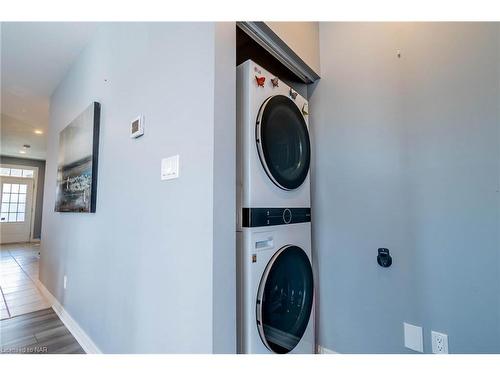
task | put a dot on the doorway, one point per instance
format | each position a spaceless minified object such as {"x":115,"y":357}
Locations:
{"x":17,"y":192}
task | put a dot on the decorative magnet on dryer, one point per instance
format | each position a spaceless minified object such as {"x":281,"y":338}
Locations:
{"x":275,"y":81}
{"x":260,"y":81}
{"x":305,"y":109}
{"x":293,"y":94}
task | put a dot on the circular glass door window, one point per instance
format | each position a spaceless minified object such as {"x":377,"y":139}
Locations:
{"x":285,"y":299}
{"x":283,"y":142}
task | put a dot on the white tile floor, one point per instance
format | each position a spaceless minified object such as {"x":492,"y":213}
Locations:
{"x":18,"y":271}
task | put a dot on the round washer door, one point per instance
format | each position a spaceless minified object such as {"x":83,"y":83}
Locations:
{"x":285,"y":299}
{"x":283,"y":142}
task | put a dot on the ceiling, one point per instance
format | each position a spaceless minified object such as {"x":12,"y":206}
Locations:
{"x":35,"y":56}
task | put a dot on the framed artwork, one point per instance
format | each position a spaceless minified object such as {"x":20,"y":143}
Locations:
{"x":77,"y":163}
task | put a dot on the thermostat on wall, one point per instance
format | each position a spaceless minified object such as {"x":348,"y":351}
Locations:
{"x":137,"y":127}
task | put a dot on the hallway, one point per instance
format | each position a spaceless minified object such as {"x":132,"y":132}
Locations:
{"x":28,"y":324}
{"x":18,"y":275}
{"x":39,"y":332}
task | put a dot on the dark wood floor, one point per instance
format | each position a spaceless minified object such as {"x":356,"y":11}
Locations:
{"x":39,"y":332}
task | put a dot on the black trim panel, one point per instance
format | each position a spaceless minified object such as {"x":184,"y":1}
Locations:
{"x":263,"y":217}
{"x":95,"y":156}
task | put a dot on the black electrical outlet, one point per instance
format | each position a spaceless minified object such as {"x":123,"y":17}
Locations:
{"x":384,"y":258}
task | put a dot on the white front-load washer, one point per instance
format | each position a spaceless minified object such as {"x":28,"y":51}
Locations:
{"x":276,"y":290}
{"x":274,"y":149}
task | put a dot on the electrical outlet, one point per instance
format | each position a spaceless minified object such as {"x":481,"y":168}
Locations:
{"x":439,"y":343}
{"x":65,"y":281}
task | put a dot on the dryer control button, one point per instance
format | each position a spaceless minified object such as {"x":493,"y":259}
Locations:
{"x":287,"y":216}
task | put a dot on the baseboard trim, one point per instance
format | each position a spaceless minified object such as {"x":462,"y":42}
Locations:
{"x":323,"y":350}
{"x":79,"y":334}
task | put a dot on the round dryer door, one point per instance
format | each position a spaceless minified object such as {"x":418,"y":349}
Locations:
{"x":283,"y":142}
{"x":285,"y":299}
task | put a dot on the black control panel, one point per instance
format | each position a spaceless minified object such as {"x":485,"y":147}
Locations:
{"x":263,"y":217}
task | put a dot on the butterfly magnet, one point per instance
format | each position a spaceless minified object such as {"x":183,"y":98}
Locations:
{"x":305,"y":109}
{"x":260,"y":81}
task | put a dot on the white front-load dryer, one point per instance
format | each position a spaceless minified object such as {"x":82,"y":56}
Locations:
{"x":274,"y":149}
{"x":276,"y":290}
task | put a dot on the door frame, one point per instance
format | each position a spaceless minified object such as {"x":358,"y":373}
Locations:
{"x":33,"y":198}
{"x":272,"y":43}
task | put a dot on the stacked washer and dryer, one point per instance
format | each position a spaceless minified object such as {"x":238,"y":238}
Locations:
{"x":275,"y":278}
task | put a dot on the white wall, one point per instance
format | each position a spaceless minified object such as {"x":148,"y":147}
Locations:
{"x":141,"y":269}
{"x":407,"y":156}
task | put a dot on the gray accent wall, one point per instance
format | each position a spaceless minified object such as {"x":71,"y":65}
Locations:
{"x":407,"y":156}
{"x":40,"y":164}
{"x":452,"y":129}
{"x":143,"y":271}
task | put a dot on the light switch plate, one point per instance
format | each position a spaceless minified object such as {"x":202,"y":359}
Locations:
{"x":170,"y":168}
{"x":413,"y":337}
